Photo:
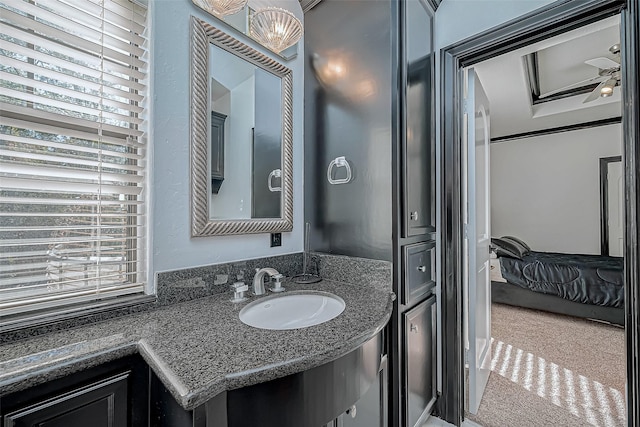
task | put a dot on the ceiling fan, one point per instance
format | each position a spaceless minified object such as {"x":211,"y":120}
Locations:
{"x":608,"y":76}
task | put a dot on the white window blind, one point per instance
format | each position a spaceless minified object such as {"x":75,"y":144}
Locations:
{"x":72,"y":151}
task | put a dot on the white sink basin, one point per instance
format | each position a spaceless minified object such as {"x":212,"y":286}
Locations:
{"x":292,"y":311}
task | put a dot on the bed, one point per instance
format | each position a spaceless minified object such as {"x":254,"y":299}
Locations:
{"x":588,"y":286}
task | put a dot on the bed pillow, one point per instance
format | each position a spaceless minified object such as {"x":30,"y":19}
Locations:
{"x":508,"y":248}
{"x":518,"y":241}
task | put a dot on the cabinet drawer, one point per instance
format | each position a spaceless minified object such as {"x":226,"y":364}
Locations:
{"x":419,"y":362}
{"x":419,"y":262}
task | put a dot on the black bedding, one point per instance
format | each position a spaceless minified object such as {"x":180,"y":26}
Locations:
{"x":587,"y":279}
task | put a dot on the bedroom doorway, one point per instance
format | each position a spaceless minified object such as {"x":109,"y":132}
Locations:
{"x":529,"y":343}
{"x":554,"y":20}
{"x":531,"y":165}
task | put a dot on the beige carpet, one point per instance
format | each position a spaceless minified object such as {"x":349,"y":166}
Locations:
{"x":553,"y":370}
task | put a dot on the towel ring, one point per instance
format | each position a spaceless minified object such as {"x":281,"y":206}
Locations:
{"x":276,"y":173}
{"x":339,"y":162}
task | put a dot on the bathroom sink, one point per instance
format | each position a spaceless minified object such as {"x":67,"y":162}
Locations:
{"x":292,"y":311}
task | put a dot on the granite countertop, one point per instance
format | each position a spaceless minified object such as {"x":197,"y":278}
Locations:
{"x":200,"y":348}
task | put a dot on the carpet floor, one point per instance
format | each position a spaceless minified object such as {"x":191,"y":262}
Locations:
{"x":553,"y":370}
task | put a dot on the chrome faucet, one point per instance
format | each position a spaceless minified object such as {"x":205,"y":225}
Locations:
{"x":258,"y":279}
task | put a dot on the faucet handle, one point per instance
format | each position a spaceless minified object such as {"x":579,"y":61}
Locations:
{"x":277,"y":282}
{"x":239,"y":288}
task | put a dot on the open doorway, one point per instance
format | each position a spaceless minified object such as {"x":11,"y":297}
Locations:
{"x":553,"y":20}
{"x":533,"y":196}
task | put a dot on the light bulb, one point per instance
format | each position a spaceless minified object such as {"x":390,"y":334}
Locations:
{"x":607,"y":89}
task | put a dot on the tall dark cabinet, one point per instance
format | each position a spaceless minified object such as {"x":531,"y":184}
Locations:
{"x":369,"y":98}
{"x":413,"y":325}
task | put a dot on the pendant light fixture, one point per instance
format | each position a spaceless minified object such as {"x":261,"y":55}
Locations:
{"x":221,"y":8}
{"x":275,"y":28}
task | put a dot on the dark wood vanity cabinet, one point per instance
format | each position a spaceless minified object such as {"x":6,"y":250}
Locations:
{"x":315,"y":398}
{"x":420,"y":362}
{"x":417,"y":385}
{"x":371,"y":410}
{"x":415,"y":326}
{"x":111,"y":395}
{"x":104,"y":402}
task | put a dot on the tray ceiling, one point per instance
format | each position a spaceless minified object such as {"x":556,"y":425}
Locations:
{"x":560,"y":63}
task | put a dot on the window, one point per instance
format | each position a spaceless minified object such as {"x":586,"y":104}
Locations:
{"x":72,"y":152}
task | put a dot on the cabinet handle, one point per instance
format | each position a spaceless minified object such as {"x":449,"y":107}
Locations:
{"x":352,"y":411}
{"x":414,"y":216}
{"x":422,"y":268}
{"x":414,"y":328}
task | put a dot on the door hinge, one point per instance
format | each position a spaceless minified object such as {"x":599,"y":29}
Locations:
{"x":466,"y":356}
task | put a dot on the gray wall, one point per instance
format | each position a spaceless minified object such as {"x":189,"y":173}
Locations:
{"x":546,"y":189}
{"x":348,"y":113}
{"x":171,"y":246}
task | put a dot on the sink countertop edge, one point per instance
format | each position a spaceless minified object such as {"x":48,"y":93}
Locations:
{"x":270,"y":372}
{"x":165,"y":364}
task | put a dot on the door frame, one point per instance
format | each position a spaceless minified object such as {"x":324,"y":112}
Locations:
{"x":604,"y":202}
{"x":553,"y":19}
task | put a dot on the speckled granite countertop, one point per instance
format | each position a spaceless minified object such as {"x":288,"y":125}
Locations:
{"x":200,"y":348}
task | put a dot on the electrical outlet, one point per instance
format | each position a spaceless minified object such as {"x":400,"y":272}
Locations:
{"x":276,"y":239}
{"x":194,"y":282}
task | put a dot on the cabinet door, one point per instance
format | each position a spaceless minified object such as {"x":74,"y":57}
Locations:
{"x":100,"y":404}
{"x":217,"y":150}
{"x":419,"y":362}
{"x":418,"y":141}
{"x":371,"y":409}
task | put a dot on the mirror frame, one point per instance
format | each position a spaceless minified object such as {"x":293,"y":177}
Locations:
{"x":203,"y":34}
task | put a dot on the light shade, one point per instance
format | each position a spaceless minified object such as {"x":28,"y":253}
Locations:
{"x":275,"y":28}
{"x":221,"y":8}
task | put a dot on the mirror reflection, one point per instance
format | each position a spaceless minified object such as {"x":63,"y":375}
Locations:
{"x":245,"y":150}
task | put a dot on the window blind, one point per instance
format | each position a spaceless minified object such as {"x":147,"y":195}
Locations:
{"x":72,"y":151}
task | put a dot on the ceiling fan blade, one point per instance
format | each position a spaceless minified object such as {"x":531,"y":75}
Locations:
{"x":595,"y":94}
{"x":602,"y":63}
{"x":573,"y":85}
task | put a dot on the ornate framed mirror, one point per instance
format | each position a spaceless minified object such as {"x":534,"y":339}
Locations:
{"x":241,"y":137}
